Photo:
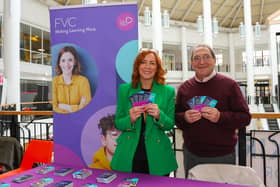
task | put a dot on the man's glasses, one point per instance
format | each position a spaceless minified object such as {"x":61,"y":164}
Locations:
{"x":199,"y":58}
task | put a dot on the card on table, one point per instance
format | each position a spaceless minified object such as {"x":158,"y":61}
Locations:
{"x":45,"y":169}
{"x":89,"y":185}
{"x":106,"y":177}
{"x":23,"y":178}
{"x":82,"y":174}
{"x":3,"y":184}
{"x":63,"y":171}
{"x":42,"y":182}
{"x":64,"y":183}
{"x":128,"y":182}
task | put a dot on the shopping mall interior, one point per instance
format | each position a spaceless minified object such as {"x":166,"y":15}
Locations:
{"x":245,"y":36}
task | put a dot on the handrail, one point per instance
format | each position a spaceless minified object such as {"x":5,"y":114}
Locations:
{"x":43,"y":113}
{"x":267,"y":115}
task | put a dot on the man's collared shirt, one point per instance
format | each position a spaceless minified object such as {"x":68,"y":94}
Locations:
{"x":206,"y":78}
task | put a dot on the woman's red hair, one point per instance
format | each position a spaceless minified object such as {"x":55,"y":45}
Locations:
{"x":159,"y":76}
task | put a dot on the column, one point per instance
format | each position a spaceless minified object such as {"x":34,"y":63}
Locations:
{"x":249,"y":43}
{"x":139,"y":35}
{"x":156,"y":26}
{"x":11,"y":51}
{"x":273,"y":57}
{"x":231,"y":56}
{"x":184,"y":54}
{"x":207,"y":23}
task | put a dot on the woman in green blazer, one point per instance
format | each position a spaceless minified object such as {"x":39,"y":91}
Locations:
{"x":143,"y":145}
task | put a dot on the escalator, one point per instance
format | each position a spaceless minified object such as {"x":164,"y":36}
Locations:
{"x":272,"y":123}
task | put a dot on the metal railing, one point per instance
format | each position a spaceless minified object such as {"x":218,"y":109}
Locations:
{"x":35,"y":129}
{"x":24,"y":131}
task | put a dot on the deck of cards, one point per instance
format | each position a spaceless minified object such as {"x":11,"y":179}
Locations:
{"x":198,"y":102}
{"x":128,"y":182}
{"x":42,"y":182}
{"x":142,"y":98}
{"x":45,"y":169}
{"x":106,"y":177}
{"x":63,"y":171}
{"x":82,"y":174}
{"x":64,"y":183}
{"x":3,"y":184}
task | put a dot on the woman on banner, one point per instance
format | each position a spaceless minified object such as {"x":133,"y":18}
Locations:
{"x":145,"y":111}
{"x":71,"y":91}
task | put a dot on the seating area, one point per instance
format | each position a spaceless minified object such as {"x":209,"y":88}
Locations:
{"x":11,"y":153}
{"x":226,"y":173}
{"x":37,"y":152}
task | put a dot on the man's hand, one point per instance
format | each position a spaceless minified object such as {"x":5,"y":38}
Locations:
{"x":192,"y":116}
{"x":210,"y":113}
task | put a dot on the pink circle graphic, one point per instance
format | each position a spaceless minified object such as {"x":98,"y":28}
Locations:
{"x":125,"y":21}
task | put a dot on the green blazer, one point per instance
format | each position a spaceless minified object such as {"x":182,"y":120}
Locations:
{"x":161,"y":157}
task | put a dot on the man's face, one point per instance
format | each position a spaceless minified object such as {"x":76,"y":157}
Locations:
{"x":109,"y":140}
{"x":203,"y":63}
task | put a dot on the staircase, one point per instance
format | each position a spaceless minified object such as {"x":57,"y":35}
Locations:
{"x":272,"y":123}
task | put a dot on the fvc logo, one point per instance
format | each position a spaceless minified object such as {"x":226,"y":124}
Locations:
{"x":125,"y":21}
{"x":65,"y":22}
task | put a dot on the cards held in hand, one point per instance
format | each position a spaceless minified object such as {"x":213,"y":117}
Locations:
{"x":142,"y":98}
{"x":106,"y":177}
{"x":82,"y":174}
{"x":128,"y":182}
{"x":198,"y":102}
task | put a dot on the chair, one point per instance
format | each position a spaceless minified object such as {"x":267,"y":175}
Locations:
{"x":38,"y":151}
{"x":226,"y":173}
{"x":11,"y":153}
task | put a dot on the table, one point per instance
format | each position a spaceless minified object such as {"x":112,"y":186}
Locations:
{"x":144,"y":179}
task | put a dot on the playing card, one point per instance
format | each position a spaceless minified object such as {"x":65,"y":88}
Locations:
{"x":209,"y":101}
{"x":146,"y":96}
{"x":152,"y":98}
{"x":190,"y":103}
{"x":140,"y":97}
{"x":197,"y":100}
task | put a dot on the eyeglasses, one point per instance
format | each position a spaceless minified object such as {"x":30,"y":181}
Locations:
{"x":204,"y":57}
{"x":147,"y":50}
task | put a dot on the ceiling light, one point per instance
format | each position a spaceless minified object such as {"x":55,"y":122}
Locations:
{"x":165,"y":19}
{"x":199,"y":23}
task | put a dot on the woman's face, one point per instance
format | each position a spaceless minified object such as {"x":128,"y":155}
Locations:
{"x":148,"y":67}
{"x":67,"y":62}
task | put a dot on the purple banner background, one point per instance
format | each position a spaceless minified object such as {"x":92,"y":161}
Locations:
{"x":106,"y":38}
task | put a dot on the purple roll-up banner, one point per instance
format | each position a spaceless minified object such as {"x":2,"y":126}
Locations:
{"x":105,"y":40}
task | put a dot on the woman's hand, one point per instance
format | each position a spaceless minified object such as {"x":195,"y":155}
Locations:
{"x":83,"y":100}
{"x":135,"y":112}
{"x":192,"y":116}
{"x":65,"y":107}
{"x":153,"y":110}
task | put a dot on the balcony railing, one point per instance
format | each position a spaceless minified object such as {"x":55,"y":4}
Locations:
{"x":254,"y":143}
